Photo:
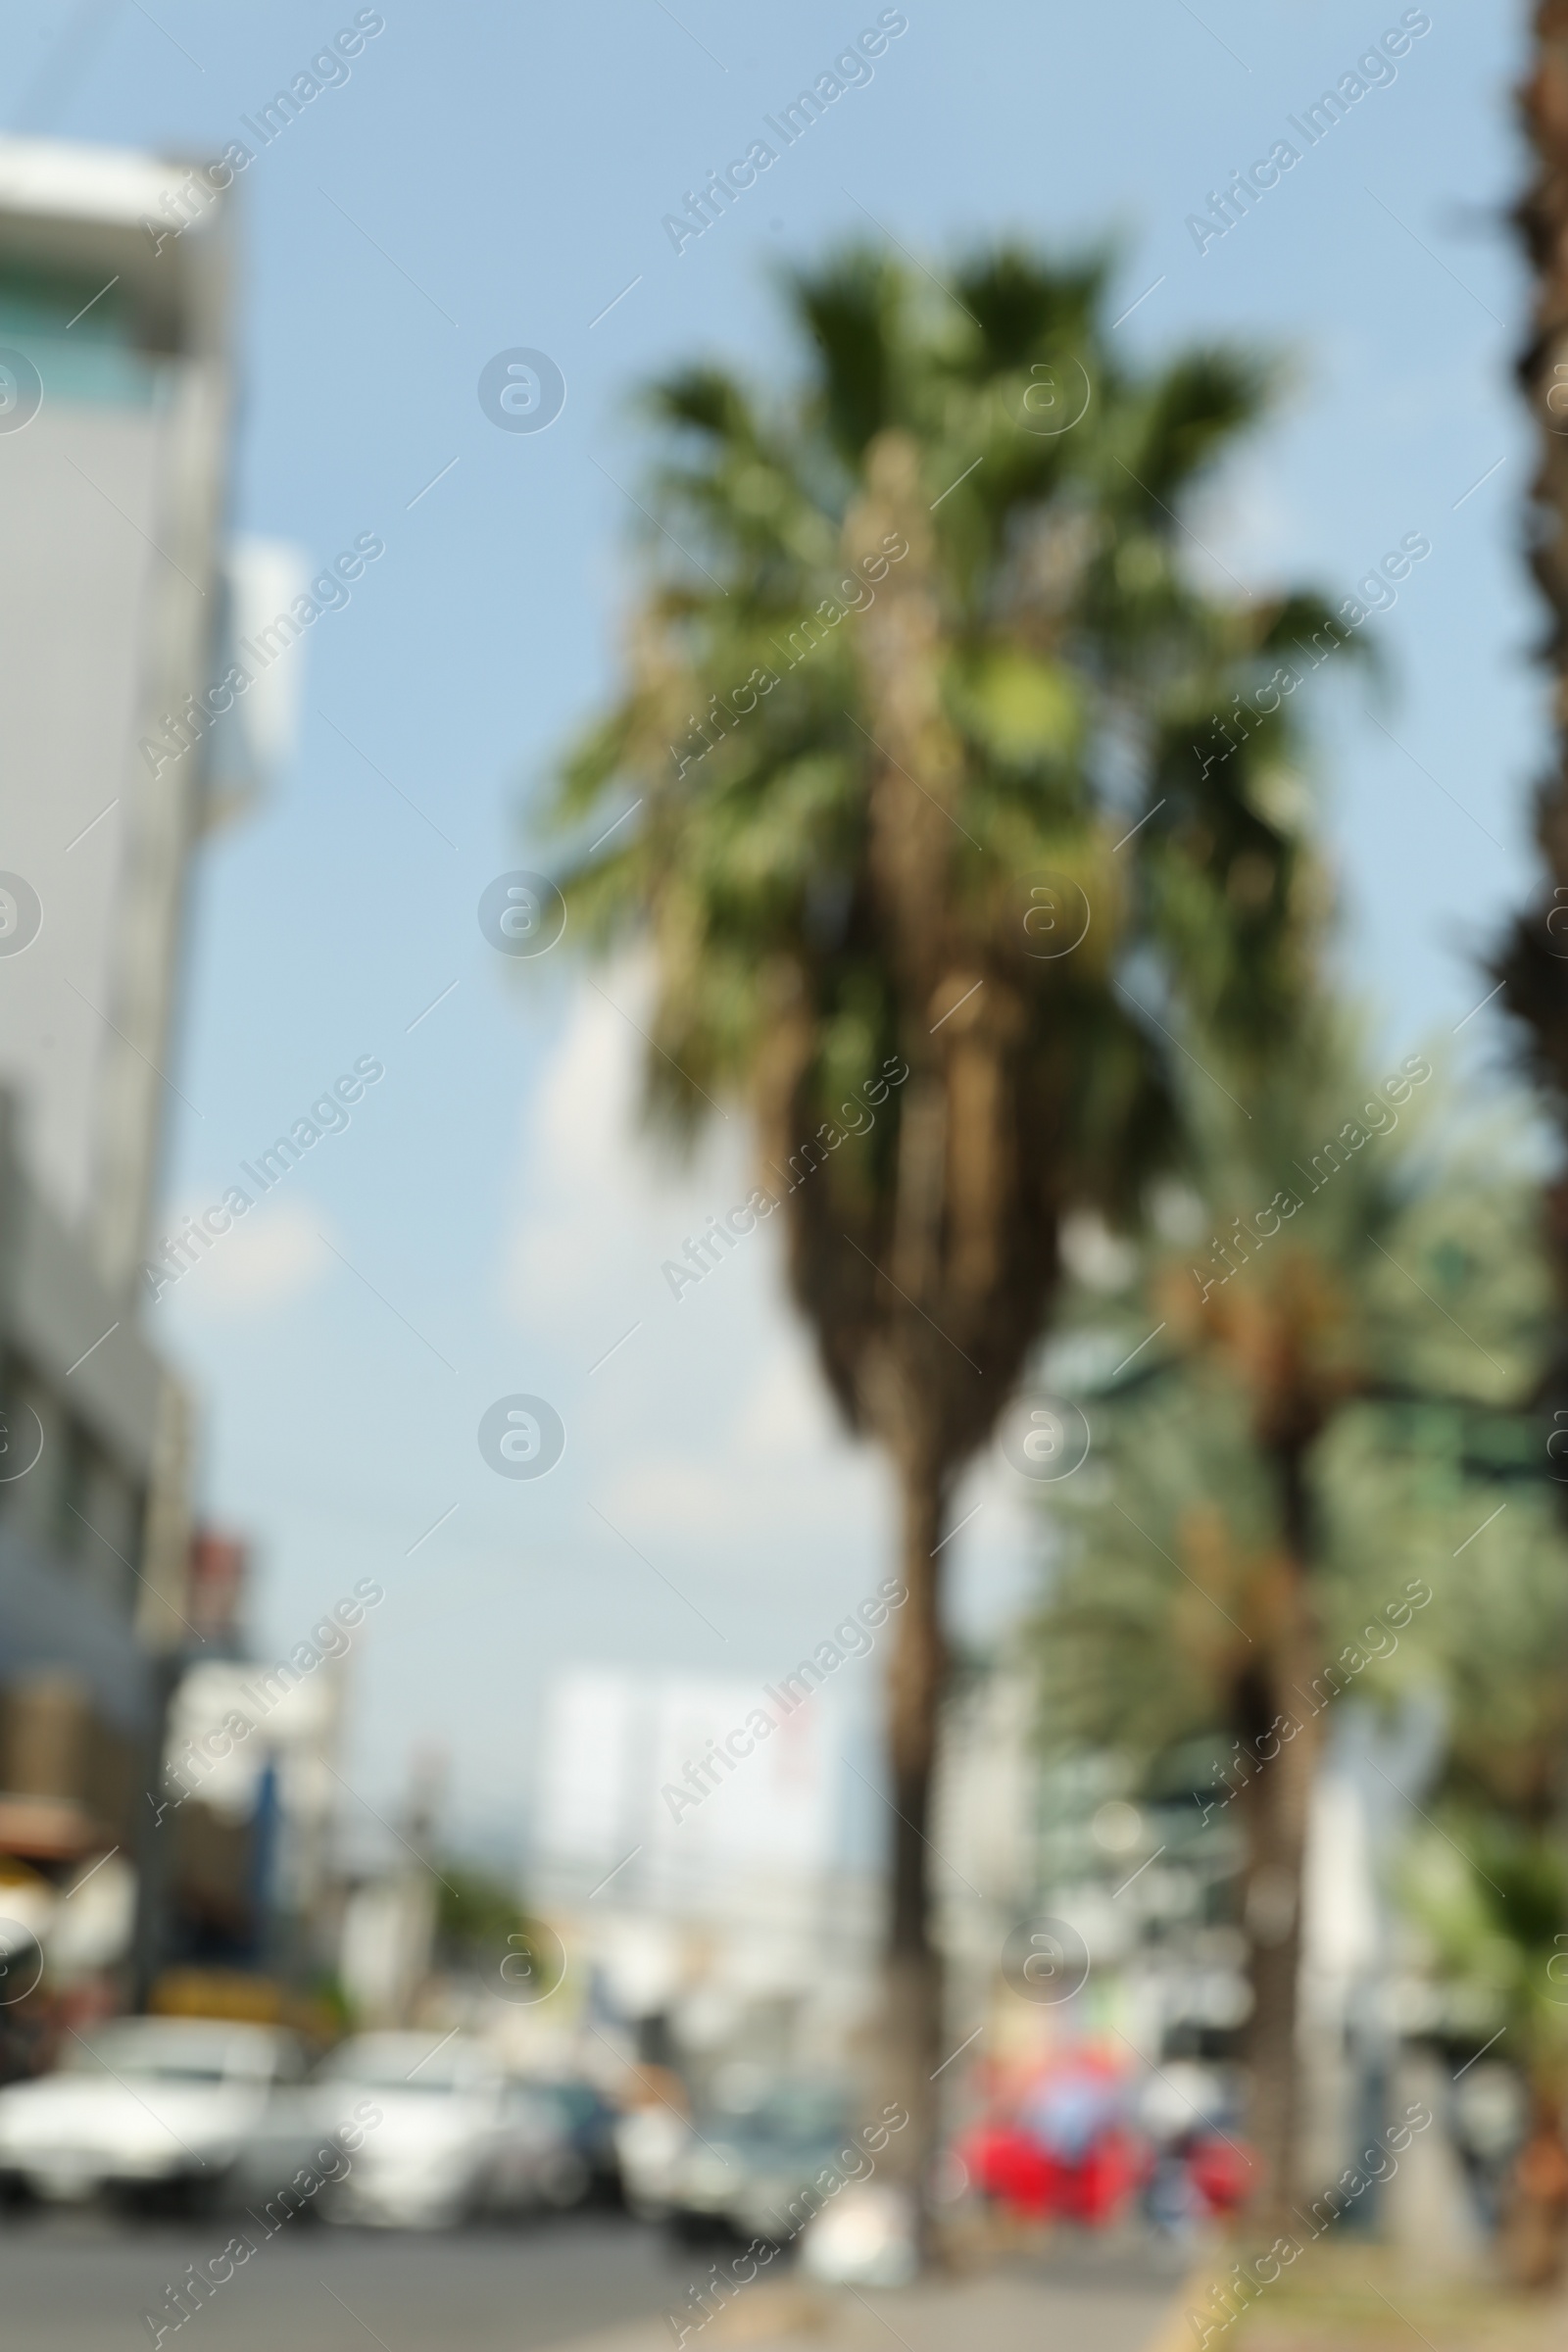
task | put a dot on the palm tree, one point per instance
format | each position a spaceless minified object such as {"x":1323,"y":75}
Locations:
{"x":1491,"y":1886}
{"x":1533,"y":961}
{"x":927,"y":732}
{"x":1336,"y":1298}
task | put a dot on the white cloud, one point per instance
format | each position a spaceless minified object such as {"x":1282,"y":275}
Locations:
{"x":787,"y":1419}
{"x":734,"y":1441}
{"x":267,"y":1258}
{"x":672,"y":1500}
{"x":772,"y":1467}
{"x":605,"y":1202}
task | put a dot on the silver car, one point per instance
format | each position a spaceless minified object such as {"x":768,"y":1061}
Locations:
{"x":146,"y":2103}
{"x":454,"y":2136}
{"x":748,"y":2162}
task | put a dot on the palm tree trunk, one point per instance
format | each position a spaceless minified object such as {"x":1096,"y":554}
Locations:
{"x":914,"y":2013}
{"x":1280,"y":1732}
{"x":1275,"y":1806}
{"x":1534,"y":2229}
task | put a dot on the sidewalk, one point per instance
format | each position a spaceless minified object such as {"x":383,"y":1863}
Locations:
{"x":1015,"y":2310}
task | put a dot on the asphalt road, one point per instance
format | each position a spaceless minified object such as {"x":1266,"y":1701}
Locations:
{"x":81,"y":2281}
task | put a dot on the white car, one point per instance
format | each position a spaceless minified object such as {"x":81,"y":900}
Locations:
{"x":454,"y":2136}
{"x":151,"y":2102}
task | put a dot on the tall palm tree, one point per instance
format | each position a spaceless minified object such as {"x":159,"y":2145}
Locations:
{"x":1336,"y":1298}
{"x":931,"y":749}
{"x":1533,"y":961}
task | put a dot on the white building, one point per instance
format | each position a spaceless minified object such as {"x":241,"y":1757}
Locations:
{"x":115,"y":412}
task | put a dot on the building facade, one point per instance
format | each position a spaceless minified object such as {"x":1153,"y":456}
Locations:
{"x":115,"y":409}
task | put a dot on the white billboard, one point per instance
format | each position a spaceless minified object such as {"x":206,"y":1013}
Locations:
{"x":678,"y":1784}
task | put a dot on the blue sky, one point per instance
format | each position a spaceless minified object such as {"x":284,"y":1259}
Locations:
{"x":495,"y":179}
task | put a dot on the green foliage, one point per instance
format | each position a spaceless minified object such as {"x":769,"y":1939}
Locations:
{"x":1489,"y":1892}
{"x":1140,"y":1633}
{"x":1402,"y":1308}
{"x":1083,"y":673}
{"x":475,"y":1914}
{"x":1401,"y":1305}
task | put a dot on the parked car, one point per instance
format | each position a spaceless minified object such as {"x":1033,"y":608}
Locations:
{"x":189,"y":2105}
{"x":457,"y":2138}
{"x":747,"y":2164}
{"x":547,"y":2149}
{"x":589,"y":2122}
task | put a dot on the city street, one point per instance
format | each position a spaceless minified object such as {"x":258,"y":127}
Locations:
{"x":83,"y":2282}
{"x":784,"y":1177}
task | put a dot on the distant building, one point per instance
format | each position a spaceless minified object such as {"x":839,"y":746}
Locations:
{"x":116,"y":393}
{"x":251,"y":1812}
{"x":724,"y":1907}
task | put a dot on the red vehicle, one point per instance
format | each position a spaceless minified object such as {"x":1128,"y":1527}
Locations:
{"x":1063,"y":2149}
{"x":1064,"y":2145}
